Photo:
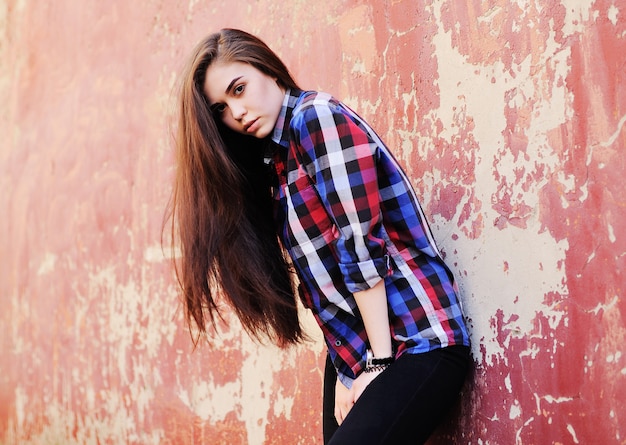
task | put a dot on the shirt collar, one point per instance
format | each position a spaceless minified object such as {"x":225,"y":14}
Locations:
{"x":281,"y":129}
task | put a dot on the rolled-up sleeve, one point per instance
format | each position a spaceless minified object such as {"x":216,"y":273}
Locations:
{"x":341,"y":160}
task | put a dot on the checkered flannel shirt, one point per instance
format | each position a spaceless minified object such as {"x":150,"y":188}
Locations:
{"x":348,"y":217}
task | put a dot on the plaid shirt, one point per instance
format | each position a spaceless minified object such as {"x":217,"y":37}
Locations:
{"x":348,"y":217}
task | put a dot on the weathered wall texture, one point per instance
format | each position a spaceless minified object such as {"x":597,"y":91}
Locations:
{"x":508,"y":115}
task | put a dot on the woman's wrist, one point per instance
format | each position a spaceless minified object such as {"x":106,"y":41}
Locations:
{"x":374,"y":363}
{"x":381,"y":352}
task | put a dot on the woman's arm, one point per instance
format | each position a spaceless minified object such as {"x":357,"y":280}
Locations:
{"x":372,"y":304}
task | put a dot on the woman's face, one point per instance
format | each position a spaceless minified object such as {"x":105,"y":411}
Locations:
{"x":245,"y":99}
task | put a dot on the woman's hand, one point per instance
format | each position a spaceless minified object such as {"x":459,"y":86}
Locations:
{"x":345,"y":398}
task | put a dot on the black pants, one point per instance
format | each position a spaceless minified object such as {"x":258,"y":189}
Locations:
{"x":403,"y":405}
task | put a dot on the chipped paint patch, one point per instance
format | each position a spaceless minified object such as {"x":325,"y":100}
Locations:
{"x":508,"y":115}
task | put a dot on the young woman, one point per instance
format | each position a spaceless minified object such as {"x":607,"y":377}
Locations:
{"x":277,"y":186}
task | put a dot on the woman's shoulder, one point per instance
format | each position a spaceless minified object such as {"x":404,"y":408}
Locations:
{"x":316,"y":102}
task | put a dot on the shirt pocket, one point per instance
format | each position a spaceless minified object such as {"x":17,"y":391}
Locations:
{"x":309,"y":226}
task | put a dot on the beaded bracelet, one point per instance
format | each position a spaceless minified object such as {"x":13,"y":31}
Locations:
{"x":377,"y":364}
{"x":375,"y":368}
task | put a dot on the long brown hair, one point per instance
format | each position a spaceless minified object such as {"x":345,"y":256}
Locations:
{"x":221,"y":209}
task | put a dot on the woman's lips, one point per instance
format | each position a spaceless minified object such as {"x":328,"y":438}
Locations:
{"x":252,"y":126}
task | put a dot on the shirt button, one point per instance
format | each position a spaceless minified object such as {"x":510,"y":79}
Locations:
{"x":337,"y":342}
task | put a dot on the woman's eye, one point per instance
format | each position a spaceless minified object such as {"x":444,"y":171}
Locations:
{"x":239,"y":89}
{"x":219,"y":108}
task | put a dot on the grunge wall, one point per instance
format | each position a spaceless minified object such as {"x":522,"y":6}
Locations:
{"x":508,"y":115}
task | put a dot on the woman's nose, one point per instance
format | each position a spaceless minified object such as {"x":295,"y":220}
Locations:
{"x":238,"y":111}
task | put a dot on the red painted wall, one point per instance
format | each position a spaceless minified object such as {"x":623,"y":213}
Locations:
{"x":509,"y":116}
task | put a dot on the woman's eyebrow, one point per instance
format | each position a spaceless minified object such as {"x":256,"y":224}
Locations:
{"x":230,"y":85}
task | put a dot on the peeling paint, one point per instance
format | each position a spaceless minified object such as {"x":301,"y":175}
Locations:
{"x":508,"y":115}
